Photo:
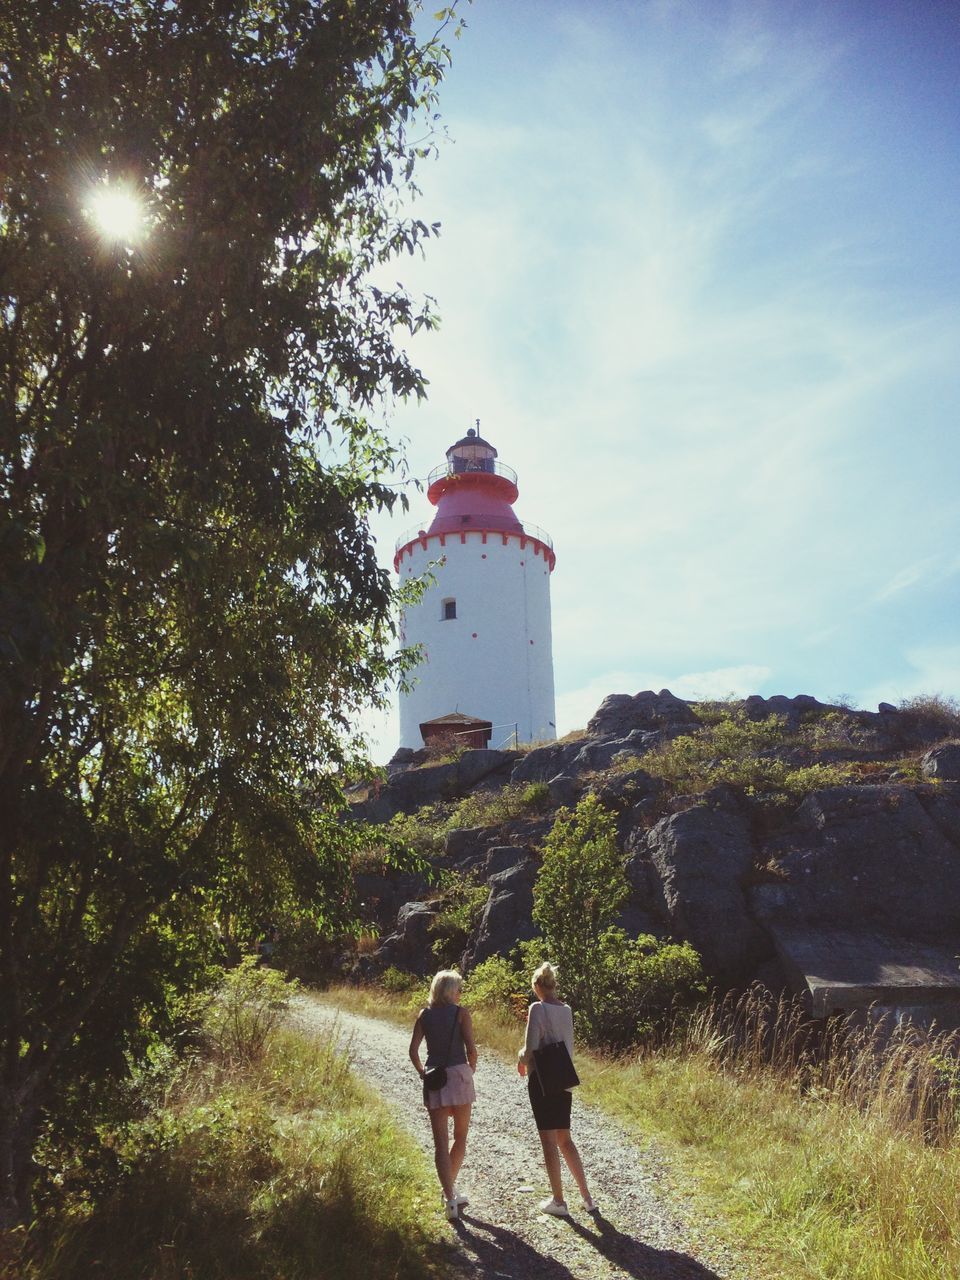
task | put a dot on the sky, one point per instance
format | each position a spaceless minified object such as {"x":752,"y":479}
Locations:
{"x":698,"y":279}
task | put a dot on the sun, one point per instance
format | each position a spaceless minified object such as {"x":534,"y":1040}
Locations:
{"x":117,"y":214}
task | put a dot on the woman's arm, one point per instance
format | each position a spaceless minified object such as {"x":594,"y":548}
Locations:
{"x":469,"y":1043}
{"x":415,"y":1041}
{"x":531,"y":1040}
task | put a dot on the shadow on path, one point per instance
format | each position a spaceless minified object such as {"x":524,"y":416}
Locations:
{"x":500,"y":1252}
{"x":637,"y":1259}
{"x":503,"y":1253}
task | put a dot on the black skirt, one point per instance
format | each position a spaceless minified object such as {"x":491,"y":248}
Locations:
{"x":550,"y":1110}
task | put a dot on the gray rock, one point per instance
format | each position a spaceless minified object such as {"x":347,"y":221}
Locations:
{"x":620,"y":713}
{"x":409,"y":946}
{"x":793,"y":709}
{"x":506,"y":918}
{"x":886,"y":707}
{"x":699,"y":857}
{"x":543,"y":763}
{"x":465,"y":845}
{"x":502,"y":857}
{"x":472,"y":766}
{"x":943,"y":762}
{"x":564,"y":790}
{"x":868,"y":857}
{"x":411,"y":790}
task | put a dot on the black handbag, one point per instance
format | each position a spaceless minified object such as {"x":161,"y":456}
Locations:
{"x":555,"y":1069}
{"x":435,"y":1078}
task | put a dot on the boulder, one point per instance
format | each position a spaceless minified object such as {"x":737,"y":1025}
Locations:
{"x":409,"y":946}
{"x":411,"y":790}
{"x":466,"y":845}
{"x":600,"y":755}
{"x":699,"y":858}
{"x":543,"y":763}
{"x":867,"y":857}
{"x":792,"y":709}
{"x":565,"y":790}
{"x":506,"y":918}
{"x":473,"y":766}
{"x":943,"y":762}
{"x":502,"y":857}
{"x":620,"y":713}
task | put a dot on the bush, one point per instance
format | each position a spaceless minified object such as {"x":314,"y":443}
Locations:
{"x":494,"y":983}
{"x":460,"y":909}
{"x":933,"y":713}
{"x":398,"y":982}
{"x":536,"y":795}
{"x":621,"y":988}
{"x":247,"y":1010}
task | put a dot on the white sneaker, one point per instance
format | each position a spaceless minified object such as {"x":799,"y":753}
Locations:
{"x":591,"y":1206}
{"x":452,"y":1210}
{"x":460,"y":1198}
{"x":557,"y":1207}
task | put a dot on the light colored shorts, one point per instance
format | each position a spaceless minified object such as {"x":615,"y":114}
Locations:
{"x":456,"y":1092}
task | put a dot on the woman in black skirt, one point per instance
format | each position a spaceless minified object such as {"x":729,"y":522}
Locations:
{"x":550,"y":1020}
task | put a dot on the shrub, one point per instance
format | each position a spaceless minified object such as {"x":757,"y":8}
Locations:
{"x":399,"y":982}
{"x":536,"y":795}
{"x":494,"y":983}
{"x":461,"y":907}
{"x":247,"y":1010}
{"x":933,"y":713}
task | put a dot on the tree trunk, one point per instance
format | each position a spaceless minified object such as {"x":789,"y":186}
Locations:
{"x":18,"y":1133}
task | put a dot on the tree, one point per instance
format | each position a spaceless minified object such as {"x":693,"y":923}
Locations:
{"x":623,"y":988}
{"x":579,"y":890}
{"x":192,"y":201}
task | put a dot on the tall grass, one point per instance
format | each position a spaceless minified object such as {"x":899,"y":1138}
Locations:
{"x":282,"y":1165}
{"x":835,"y":1147}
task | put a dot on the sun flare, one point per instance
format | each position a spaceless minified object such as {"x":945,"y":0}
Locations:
{"x":118,"y":215}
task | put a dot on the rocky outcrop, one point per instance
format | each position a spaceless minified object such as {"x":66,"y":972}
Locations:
{"x":619,"y":714}
{"x":410,"y":789}
{"x":733,"y":873}
{"x":867,"y":856}
{"x":409,"y":947}
{"x":506,"y":918}
{"x":943,"y":762}
{"x":699,"y":859}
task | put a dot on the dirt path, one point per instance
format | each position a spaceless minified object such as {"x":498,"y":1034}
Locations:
{"x":641,"y":1232}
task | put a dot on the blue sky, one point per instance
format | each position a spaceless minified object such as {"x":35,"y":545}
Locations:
{"x":698,"y":278}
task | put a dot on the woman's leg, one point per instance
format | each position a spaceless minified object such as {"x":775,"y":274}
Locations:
{"x":461,"y":1123}
{"x":551,"y":1158}
{"x":572,"y":1157}
{"x":441,"y":1150}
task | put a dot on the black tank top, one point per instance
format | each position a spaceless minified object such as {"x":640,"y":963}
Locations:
{"x":437,"y":1022}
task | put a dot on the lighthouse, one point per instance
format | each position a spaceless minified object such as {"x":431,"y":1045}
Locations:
{"x":483,"y":626}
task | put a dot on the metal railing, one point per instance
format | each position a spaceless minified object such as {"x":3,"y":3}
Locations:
{"x":523,"y":529}
{"x":477,"y":466}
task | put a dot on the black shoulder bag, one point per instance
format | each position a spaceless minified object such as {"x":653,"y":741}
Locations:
{"x":555,"y":1069}
{"x":435,"y":1078}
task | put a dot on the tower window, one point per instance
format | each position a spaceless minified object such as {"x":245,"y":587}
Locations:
{"x":448,"y":610}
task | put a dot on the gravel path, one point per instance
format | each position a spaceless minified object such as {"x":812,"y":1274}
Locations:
{"x":640,"y":1232}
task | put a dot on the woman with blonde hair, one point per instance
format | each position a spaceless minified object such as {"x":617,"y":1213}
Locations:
{"x":451,"y":1062}
{"x":550,"y":1021}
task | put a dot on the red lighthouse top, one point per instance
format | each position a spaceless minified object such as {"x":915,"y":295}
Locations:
{"x":474,"y":493}
{"x":473,"y":489}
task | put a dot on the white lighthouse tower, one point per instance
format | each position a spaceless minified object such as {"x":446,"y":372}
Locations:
{"x":484,"y":625}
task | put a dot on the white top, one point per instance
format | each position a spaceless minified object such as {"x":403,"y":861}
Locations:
{"x":546,"y":1024}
